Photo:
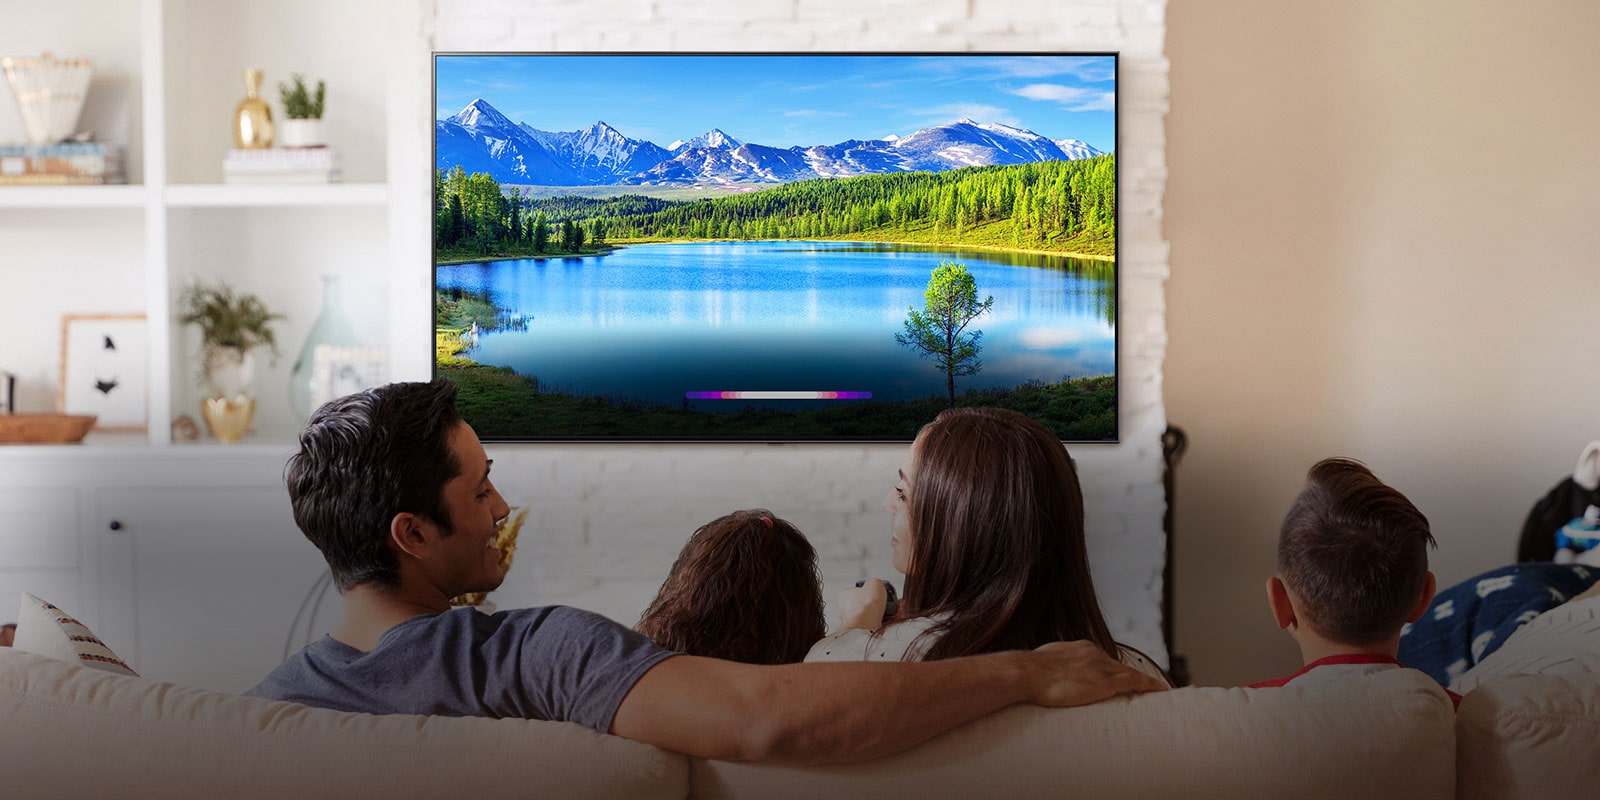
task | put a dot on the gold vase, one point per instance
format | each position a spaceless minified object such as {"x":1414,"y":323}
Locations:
{"x":252,"y":119}
{"x":228,"y":417}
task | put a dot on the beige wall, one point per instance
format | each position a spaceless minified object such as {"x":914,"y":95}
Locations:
{"x":1385,"y":228}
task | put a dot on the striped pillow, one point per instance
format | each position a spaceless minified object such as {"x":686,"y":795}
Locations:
{"x":43,"y":629}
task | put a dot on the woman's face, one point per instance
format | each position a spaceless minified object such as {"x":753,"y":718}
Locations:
{"x":898,"y":503}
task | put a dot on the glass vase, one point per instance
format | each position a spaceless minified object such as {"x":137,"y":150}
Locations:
{"x":331,"y":330}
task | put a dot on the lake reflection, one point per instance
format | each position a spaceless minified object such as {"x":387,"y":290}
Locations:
{"x":650,"y":322}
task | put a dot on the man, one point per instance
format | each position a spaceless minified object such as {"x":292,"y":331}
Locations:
{"x":393,"y":487}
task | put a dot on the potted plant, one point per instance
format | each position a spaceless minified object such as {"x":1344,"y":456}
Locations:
{"x":303,"y":111}
{"x":232,"y":325}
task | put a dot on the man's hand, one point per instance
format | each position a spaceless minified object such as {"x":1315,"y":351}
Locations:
{"x":1078,"y":673}
{"x":863,"y":606}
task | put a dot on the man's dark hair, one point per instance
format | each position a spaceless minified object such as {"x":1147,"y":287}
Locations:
{"x":1354,"y":551}
{"x":363,"y":459}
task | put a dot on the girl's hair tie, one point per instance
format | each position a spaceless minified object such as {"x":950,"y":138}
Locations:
{"x":766,"y":519}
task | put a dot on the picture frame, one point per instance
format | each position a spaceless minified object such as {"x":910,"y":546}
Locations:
{"x":104,"y":370}
{"x":340,"y":370}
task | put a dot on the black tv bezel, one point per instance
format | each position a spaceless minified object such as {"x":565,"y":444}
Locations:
{"x":433,"y":278}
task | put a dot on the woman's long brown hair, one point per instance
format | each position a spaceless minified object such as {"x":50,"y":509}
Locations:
{"x":997,"y":530}
{"x":745,"y":588}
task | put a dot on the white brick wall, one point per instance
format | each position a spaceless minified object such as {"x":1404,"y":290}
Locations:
{"x":609,"y":519}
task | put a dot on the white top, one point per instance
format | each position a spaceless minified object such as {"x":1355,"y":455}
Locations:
{"x":898,"y":642}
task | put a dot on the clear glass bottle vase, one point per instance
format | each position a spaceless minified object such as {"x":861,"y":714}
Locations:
{"x":330,"y":330}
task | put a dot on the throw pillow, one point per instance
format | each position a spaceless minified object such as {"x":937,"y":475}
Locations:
{"x":45,"y":630}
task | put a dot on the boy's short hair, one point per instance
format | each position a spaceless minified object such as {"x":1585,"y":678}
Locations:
{"x":1354,"y":552}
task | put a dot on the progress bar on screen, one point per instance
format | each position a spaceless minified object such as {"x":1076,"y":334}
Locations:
{"x":778,"y":395}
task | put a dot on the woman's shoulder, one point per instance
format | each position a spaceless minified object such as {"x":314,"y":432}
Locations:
{"x":890,"y":643}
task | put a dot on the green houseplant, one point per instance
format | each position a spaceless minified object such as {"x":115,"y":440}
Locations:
{"x":302,"y":108}
{"x":232,"y":325}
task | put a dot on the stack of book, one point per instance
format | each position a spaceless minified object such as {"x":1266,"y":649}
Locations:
{"x":281,"y":165}
{"x":61,"y":164}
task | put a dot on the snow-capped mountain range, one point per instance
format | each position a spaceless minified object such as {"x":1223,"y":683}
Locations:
{"x":481,"y":139}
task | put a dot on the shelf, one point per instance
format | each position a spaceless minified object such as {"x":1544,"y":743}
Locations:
{"x":72,"y":196}
{"x":276,"y":194}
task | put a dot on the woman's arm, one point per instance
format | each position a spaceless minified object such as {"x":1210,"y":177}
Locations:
{"x":863,"y":606}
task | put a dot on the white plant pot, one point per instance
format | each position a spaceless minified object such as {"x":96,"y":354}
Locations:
{"x":231,"y":371}
{"x":301,"y":133}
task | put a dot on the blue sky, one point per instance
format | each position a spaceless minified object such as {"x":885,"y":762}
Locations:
{"x":784,"y":101}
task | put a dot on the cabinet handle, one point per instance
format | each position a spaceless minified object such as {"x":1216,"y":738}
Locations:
{"x":115,"y":525}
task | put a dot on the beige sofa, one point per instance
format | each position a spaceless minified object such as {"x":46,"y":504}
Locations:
{"x":67,"y":731}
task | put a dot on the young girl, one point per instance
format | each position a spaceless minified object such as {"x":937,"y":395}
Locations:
{"x":745,"y":588}
{"x":988,"y":530}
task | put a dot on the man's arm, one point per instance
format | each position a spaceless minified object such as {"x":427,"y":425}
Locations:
{"x":820,"y":713}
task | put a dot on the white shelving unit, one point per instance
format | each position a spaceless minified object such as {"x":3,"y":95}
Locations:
{"x":167,"y":79}
{"x":120,"y":527}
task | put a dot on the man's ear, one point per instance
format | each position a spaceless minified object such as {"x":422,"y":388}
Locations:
{"x":1278,"y":601}
{"x":409,"y":534}
{"x":1423,"y":601}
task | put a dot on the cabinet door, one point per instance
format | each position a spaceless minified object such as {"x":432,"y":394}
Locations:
{"x":40,"y":551}
{"x":214,"y":576}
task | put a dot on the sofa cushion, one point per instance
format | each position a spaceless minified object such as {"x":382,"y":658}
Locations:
{"x":71,"y":732}
{"x":1386,"y":735}
{"x":1533,"y":736}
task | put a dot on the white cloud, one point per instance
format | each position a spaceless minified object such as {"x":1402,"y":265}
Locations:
{"x":1072,"y":98}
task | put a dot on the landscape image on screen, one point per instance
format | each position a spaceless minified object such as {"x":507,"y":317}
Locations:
{"x":774,"y":247}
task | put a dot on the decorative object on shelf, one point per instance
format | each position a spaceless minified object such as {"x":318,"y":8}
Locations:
{"x":185,"y":429}
{"x":103,"y":369}
{"x":8,"y":393}
{"x":302,"y":111}
{"x":506,"y":539}
{"x":232,"y":325}
{"x":44,"y":428}
{"x":252,"y":118}
{"x":281,"y":165}
{"x":50,"y":92}
{"x":65,"y":163}
{"x":228,"y":418}
{"x":332,"y":356}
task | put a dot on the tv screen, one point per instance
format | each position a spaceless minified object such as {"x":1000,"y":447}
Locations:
{"x":798,"y":247}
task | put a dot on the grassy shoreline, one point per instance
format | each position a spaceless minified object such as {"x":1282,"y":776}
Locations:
{"x":501,"y":404}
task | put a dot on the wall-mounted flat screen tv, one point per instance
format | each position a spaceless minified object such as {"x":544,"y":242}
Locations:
{"x":801,"y":247}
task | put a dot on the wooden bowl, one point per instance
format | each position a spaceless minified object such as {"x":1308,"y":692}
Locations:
{"x":44,"y":428}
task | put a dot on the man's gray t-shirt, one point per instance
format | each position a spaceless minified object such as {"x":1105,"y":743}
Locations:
{"x":551,"y":663}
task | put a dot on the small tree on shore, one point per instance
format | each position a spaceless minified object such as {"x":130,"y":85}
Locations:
{"x":939,"y":331}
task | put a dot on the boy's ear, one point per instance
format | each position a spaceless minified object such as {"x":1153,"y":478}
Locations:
{"x":1278,"y":601}
{"x":1421,"y":608}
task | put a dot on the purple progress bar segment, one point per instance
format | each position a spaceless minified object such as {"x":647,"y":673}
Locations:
{"x":778,"y":395}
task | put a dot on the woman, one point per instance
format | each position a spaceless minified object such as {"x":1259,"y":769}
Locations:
{"x":745,"y":588}
{"x":988,"y":530}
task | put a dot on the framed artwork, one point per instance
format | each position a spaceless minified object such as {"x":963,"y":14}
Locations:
{"x":340,"y":370}
{"x":103,"y":369}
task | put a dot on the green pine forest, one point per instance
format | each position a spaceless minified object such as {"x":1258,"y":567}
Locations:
{"x":1066,"y":207}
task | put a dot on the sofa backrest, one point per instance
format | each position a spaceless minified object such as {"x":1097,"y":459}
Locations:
{"x":1530,"y":736}
{"x":1386,"y":735}
{"x":71,"y":732}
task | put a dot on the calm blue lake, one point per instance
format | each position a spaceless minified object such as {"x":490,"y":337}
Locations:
{"x":651,"y":322}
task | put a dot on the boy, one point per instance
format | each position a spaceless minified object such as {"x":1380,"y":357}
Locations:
{"x":1352,"y":571}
